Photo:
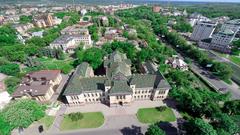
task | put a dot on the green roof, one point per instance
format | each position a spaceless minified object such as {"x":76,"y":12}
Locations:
{"x":118,"y":76}
{"x":120,"y":87}
{"x":149,"y":80}
{"x":78,"y":85}
{"x":82,"y":69}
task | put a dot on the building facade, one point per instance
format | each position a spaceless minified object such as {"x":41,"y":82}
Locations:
{"x":118,"y":87}
{"x":38,"y":85}
{"x":222,"y":40}
{"x":44,"y":21}
{"x":203,"y":30}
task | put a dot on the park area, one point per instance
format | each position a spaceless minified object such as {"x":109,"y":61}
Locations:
{"x":50,"y":64}
{"x":87,"y":120}
{"x":153,"y":115}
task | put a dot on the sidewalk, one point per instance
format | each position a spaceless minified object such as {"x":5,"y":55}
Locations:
{"x":120,"y":110}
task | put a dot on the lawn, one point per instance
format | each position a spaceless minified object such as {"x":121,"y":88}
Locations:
{"x":89,"y":120}
{"x":49,"y":63}
{"x":47,"y":121}
{"x":152,"y":115}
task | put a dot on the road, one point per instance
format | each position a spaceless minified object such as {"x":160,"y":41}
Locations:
{"x":217,"y":84}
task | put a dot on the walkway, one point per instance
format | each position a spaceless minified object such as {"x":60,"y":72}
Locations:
{"x":118,"y":120}
{"x":120,"y":110}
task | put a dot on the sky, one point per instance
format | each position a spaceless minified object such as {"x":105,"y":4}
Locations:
{"x":209,"y":0}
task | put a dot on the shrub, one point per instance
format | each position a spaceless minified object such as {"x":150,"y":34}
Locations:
{"x":75,"y":116}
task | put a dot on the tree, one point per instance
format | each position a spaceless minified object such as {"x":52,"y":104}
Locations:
{"x":223,"y":71}
{"x":85,"y":18}
{"x":25,"y":19}
{"x":12,"y":83}
{"x":22,"y":113}
{"x":225,"y":122}
{"x":232,"y":107}
{"x":94,"y":56}
{"x":10,"y":69}
{"x":183,"y":26}
{"x":236,"y":47}
{"x":199,"y":127}
{"x":154,"y":130}
{"x":7,"y":35}
{"x":4,"y":126}
{"x":75,"y":116}
{"x":93,"y":30}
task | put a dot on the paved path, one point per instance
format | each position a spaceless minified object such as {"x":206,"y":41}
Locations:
{"x":218,"y":84}
{"x":59,"y":117}
{"x":120,"y":110}
{"x":118,"y":120}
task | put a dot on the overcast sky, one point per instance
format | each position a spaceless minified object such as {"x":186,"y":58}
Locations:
{"x":210,"y":0}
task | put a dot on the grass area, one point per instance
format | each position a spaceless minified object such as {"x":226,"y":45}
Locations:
{"x":89,"y":120}
{"x":49,"y":63}
{"x":235,"y":59}
{"x":152,"y":115}
{"x":47,"y":121}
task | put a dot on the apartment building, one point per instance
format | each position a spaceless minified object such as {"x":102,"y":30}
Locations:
{"x":39,"y":85}
{"x":221,"y":41}
{"x":118,"y":87}
{"x":44,"y":21}
{"x":203,"y":30}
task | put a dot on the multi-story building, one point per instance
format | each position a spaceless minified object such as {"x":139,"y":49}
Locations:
{"x":38,"y":85}
{"x":176,"y":62}
{"x":203,"y":30}
{"x":74,"y":30}
{"x":65,"y":43}
{"x":118,"y":87}
{"x":68,"y":43}
{"x":195,"y":17}
{"x":44,"y":21}
{"x":23,"y":28}
{"x":221,"y":41}
{"x":156,"y":9}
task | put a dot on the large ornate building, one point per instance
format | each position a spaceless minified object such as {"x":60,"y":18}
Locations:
{"x":118,"y":87}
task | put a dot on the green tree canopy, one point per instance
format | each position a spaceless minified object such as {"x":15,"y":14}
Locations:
{"x":154,"y":130}
{"x":232,"y":107}
{"x":10,"y":69}
{"x":199,"y":127}
{"x":94,"y":56}
{"x":22,"y":113}
{"x":25,"y":19}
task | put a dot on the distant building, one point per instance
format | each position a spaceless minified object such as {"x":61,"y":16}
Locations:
{"x":176,"y":62}
{"x":118,"y":87}
{"x":68,"y":43}
{"x":203,"y":30}
{"x":37,"y":34}
{"x":65,"y":43}
{"x":44,"y":21}
{"x":104,"y":21}
{"x":74,"y":30}
{"x":221,"y":41}
{"x":5,"y":98}
{"x":195,"y":18}
{"x":39,"y":85}
{"x":83,"y":12}
{"x":156,"y":9}
{"x":23,"y":28}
